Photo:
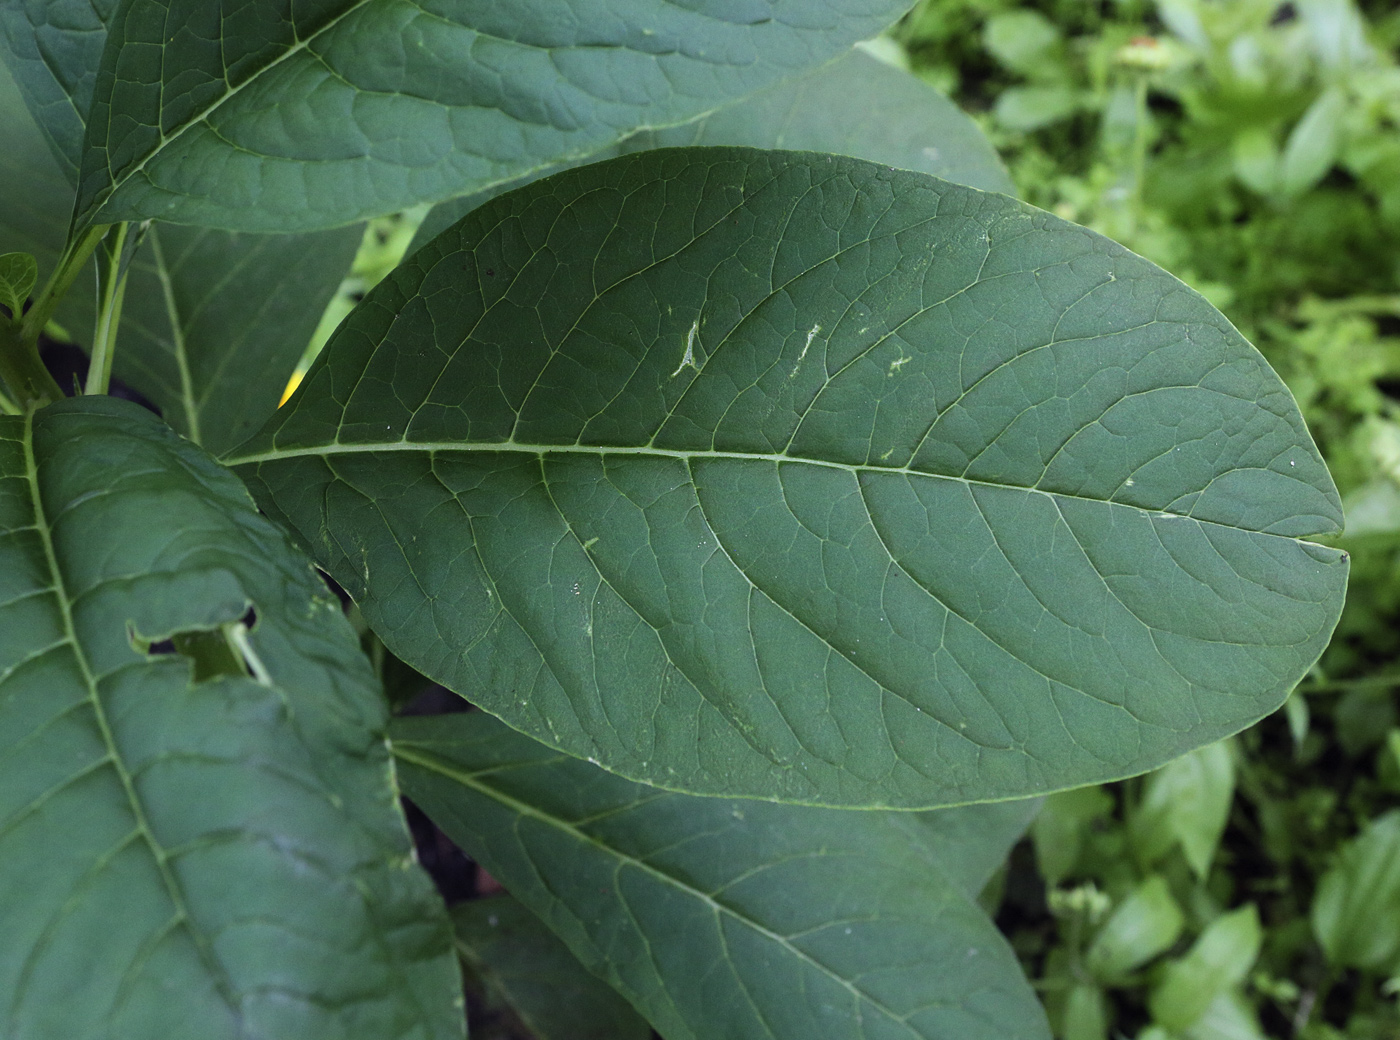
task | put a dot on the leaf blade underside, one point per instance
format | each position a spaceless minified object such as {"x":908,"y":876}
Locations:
{"x":797,"y":477}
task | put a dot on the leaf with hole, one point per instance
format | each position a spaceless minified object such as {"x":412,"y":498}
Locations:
{"x":719,"y":918}
{"x":793,"y":476}
{"x":208,"y":843}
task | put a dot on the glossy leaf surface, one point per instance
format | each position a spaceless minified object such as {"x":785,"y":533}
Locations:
{"x":827,"y":110}
{"x":527,"y":966}
{"x":215,"y":853}
{"x":279,"y":118}
{"x":719,"y":918}
{"x":215,"y":322}
{"x":799,"y":477}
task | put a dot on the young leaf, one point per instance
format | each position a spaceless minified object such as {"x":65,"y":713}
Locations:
{"x":529,"y":967}
{"x":54,"y":47}
{"x":1219,"y":960}
{"x":215,"y":322}
{"x":1143,"y":925}
{"x":718,"y":918}
{"x":219,"y":858}
{"x":18,"y":273}
{"x":1356,"y":912}
{"x":794,"y":476}
{"x":1186,"y":801}
{"x":827,"y":110}
{"x":292,"y":118}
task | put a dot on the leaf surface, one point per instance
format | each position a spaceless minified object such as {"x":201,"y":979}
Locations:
{"x":54,"y":48}
{"x":718,"y":918}
{"x":798,"y":477}
{"x":529,"y":967}
{"x":266,"y":120}
{"x":216,"y":855}
{"x":215,"y":322}
{"x":826,"y":110}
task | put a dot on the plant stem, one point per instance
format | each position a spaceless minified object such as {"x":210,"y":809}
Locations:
{"x":9,"y":407}
{"x":75,"y":254}
{"x":24,"y":375}
{"x":111,"y":291}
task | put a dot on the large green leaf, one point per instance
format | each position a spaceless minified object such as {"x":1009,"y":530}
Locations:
{"x":278,"y":118}
{"x":524,"y":964}
{"x":54,"y":48}
{"x":723,"y":919}
{"x":799,"y":477}
{"x":212,"y":853}
{"x":827,"y":110}
{"x":215,"y":322}
{"x":35,"y":199}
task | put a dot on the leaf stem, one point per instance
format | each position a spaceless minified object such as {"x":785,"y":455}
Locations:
{"x":8,"y":406}
{"x":27,"y":380}
{"x":74,"y":256}
{"x":113,"y":265}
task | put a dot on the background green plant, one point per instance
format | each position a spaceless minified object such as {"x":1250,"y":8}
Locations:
{"x":1241,"y":145}
{"x":1252,"y":148}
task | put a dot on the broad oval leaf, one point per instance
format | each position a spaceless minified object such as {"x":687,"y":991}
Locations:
{"x":827,"y":110}
{"x":275,"y":118}
{"x":797,"y":477}
{"x":724,"y":920}
{"x":215,"y":853}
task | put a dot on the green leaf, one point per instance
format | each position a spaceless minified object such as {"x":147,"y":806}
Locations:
{"x":980,"y":838}
{"x":1145,"y":924}
{"x":1063,"y":826}
{"x":346,"y":109}
{"x":794,"y":476}
{"x":827,"y":110}
{"x":215,"y":322}
{"x":1219,"y":960}
{"x":54,"y":47}
{"x":1356,"y":912}
{"x":529,"y":968}
{"x":1188,"y":802}
{"x":1086,"y":1013}
{"x":18,"y":273}
{"x":1313,"y":143}
{"x":1025,"y":42}
{"x":721,"y":918}
{"x":220,"y":859}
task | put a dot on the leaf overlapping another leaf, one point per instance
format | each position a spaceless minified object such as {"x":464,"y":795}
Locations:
{"x":722,"y":919}
{"x":266,"y":117}
{"x":218,"y":853}
{"x":796,"y":477}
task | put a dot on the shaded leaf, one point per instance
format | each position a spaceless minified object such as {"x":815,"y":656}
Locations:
{"x":217,"y":859}
{"x":261,"y":121}
{"x":530,"y":969}
{"x":18,"y":273}
{"x":215,"y":322}
{"x":1356,"y":912}
{"x":827,"y":110}
{"x":793,"y":476}
{"x":718,"y":918}
{"x":54,"y":47}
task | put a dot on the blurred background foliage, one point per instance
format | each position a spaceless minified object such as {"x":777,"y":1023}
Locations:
{"x":1252,"y":147}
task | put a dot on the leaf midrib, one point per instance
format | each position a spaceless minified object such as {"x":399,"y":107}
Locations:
{"x":467,"y":779}
{"x":114,"y":756}
{"x":541,"y":450}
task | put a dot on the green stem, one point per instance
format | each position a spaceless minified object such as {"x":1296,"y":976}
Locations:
{"x":7,"y":406}
{"x":74,"y":256}
{"x":23,"y":374}
{"x":111,"y":292}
